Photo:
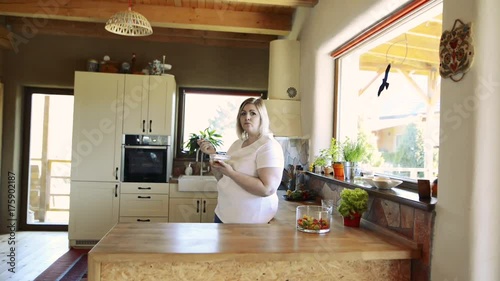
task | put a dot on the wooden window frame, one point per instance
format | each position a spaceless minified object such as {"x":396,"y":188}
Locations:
{"x":379,"y":26}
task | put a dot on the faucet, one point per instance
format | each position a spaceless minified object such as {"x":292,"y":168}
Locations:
{"x":201,"y":162}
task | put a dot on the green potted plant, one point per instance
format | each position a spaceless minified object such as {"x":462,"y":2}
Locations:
{"x":353,"y":203}
{"x":320,"y":162}
{"x":334,"y":150}
{"x":353,"y":152}
{"x":208,"y":134}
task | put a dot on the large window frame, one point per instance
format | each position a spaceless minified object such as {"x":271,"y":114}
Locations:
{"x":407,"y":11}
{"x":183,"y":91}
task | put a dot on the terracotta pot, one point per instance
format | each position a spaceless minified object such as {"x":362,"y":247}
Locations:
{"x":338,"y":169}
{"x":352,"y":222}
{"x":328,"y":170}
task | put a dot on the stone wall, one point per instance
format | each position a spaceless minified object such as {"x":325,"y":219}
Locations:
{"x":404,"y":221}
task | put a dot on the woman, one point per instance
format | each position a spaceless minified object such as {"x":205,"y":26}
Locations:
{"x":247,"y":186}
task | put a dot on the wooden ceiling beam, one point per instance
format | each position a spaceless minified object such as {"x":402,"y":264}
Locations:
{"x":199,"y":37}
{"x":158,"y":15}
{"x":285,"y":3}
{"x":374,"y":64}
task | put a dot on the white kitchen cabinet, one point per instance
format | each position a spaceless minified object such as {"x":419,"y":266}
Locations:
{"x":97,"y":126}
{"x":192,"y":210}
{"x":94,"y":208}
{"x":191,"y":206}
{"x":144,"y":202}
{"x":149,"y":104}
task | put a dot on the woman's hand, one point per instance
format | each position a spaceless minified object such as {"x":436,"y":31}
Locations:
{"x":265,"y":184}
{"x":206,"y":146}
{"x":221,"y":167}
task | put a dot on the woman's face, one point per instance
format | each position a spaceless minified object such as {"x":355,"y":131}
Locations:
{"x":250,"y":119}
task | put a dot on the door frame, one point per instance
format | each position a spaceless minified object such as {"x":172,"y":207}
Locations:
{"x":28,"y":92}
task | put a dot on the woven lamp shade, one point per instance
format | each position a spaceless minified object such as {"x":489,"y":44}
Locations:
{"x":129,"y":23}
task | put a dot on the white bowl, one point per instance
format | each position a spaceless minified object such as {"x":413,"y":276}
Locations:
{"x":368,"y":180}
{"x":219,"y":157}
{"x":384,"y":183}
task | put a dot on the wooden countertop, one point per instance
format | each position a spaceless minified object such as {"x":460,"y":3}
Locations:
{"x":278,"y":240}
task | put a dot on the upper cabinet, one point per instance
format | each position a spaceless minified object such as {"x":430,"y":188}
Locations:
{"x":97,"y":124}
{"x":149,"y":104}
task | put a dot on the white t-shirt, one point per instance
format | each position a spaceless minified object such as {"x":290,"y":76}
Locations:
{"x":236,"y":205}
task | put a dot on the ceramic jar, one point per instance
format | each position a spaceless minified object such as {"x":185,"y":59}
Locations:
{"x":156,"y":68}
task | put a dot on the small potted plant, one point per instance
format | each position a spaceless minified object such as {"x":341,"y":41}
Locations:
{"x":208,"y":134}
{"x":334,"y":152}
{"x":320,"y":162}
{"x":353,"y":151}
{"x":353,"y":203}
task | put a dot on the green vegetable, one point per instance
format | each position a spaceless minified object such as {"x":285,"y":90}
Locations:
{"x":353,"y":201}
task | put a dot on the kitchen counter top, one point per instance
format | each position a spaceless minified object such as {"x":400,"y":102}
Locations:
{"x":173,"y":249}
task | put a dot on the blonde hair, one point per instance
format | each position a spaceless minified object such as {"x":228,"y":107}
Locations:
{"x":264,"y":118}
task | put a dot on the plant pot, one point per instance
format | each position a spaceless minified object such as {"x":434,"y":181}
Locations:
{"x":338,"y":169}
{"x":352,"y":222}
{"x":350,"y":169}
{"x":328,"y":170}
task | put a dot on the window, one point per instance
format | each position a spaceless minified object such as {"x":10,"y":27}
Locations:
{"x":214,"y":108}
{"x":402,"y":123}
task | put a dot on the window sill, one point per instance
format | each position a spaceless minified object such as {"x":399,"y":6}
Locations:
{"x":400,"y":195}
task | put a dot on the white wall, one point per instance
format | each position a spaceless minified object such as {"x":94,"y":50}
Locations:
{"x":330,"y":24}
{"x":466,"y":242}
{"x":485,"y":231}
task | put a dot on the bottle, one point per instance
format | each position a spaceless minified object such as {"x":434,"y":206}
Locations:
{"x":132,"y":63}
{"x":299,"y":177}
{"x":434,"y":190}
{"x":189,"y":170}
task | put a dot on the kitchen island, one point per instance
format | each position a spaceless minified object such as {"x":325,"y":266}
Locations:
{"x":274,"y":251}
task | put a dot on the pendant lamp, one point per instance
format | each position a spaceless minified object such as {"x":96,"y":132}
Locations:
{"x":129,"y":23}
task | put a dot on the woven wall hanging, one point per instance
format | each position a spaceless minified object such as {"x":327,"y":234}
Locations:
{"x":456,"y":51}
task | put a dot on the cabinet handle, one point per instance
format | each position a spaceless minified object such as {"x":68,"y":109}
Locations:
{"x":144,"y":197}
{"x":197,"y":206}
{"x":141,"y":220}
{"x":143,"y":126}
{"x":150,"y":125}
{"x":116,"y":190}
{"x":204,"y":206}
{"x":140,"y":187}
{"x":116,"y":173}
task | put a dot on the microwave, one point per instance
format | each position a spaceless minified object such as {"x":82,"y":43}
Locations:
{"x":144,"y":158}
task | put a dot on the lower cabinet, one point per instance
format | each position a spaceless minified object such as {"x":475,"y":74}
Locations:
{"x":144,"y":202}
{"x":192,"y":210}
{"x":191,"y":206}
{"x":94,"y":208}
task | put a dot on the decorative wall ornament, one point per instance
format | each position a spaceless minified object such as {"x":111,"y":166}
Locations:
{"x":456,"y":51}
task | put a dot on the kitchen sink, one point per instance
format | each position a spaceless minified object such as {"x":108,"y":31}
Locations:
{"x":197,"y":183}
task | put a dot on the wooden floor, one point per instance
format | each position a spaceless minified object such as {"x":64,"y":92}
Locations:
{"x":34,"y":252}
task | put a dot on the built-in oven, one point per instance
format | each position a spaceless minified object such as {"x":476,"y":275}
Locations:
{"x":144,"y":158}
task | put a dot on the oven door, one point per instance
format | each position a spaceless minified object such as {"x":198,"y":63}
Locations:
{"x":144,"y":163}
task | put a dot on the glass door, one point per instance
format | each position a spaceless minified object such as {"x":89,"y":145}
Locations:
{"x":48,"y":164}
